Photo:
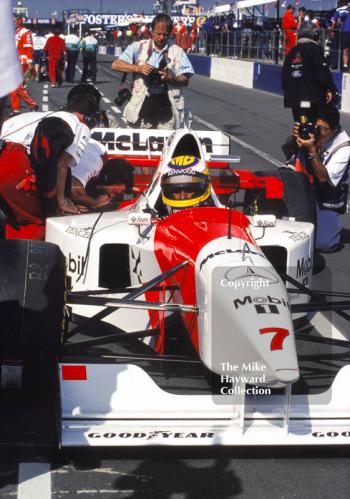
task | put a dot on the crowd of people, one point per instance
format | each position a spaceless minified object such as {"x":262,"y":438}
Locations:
{"x":48,"y":56}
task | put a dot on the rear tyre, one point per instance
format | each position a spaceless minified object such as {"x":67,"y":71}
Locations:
{"x":298,"y":200}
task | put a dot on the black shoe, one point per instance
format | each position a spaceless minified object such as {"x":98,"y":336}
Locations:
{"x":35,"y":108}
{"x":15,"y":112}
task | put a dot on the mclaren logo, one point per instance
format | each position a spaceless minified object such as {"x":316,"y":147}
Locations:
{"x":157,"y":434}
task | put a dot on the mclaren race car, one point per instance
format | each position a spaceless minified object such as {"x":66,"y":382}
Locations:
{"x":180,"y":325}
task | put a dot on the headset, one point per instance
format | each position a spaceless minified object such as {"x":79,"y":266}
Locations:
{"x":92,"y":120}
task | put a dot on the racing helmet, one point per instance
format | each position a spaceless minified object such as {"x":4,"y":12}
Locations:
{"x":186,"y":174}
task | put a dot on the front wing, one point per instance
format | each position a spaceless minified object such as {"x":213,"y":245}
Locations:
{"x":120,"y":405}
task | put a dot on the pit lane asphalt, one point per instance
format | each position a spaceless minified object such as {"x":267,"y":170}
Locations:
{"x":258,"y":120}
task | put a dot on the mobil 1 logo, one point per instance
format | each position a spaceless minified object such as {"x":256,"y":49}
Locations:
{"x":262,"y":304}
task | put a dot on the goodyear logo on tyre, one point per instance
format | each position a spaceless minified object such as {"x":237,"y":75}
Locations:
{"x":181,"y":162}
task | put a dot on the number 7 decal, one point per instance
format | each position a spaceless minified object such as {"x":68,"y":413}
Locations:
{"x":279,"y":337}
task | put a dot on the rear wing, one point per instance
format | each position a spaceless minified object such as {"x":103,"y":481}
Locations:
{"x":143,"y":147}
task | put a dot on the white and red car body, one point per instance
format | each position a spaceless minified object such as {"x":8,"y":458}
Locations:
{"x":233,"y":303}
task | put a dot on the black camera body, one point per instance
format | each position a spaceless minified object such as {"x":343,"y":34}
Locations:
{"x":124,"y":95}
{"x":154,"y":76}
{"x":305,"y":129}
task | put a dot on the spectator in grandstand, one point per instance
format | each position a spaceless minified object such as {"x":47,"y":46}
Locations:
{"x":11,"y":75}
{"x":73,"y":47}
{"x":89,"y":46}
{"x":341,"y":19}
{"x":289,"y":26}
{"x":306,"y":79}
{"x":55,"y":48}
{"x":159,"y":71}
{"x":326,"y":157}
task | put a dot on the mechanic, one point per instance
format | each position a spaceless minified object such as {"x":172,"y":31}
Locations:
{"x":289,"y":26}
{"x":306,"y":79}
{"x":327,"y":158}
{"x":25,"y":50}
{"x":28,"y":182}
{"x":89,"y":46}
{"x":115,"y":179}
{"x":11,"y":75}
{"x":186,"y":184}
{"x":107,"y":119}
{"x":159,"y":71}
{"x":73,"y":47}
{"x":55,"y":48}
{"x":81,"y":114}
{"x":88,"y":167}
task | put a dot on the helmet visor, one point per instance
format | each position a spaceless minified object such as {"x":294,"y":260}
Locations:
{"x":175,"y":191}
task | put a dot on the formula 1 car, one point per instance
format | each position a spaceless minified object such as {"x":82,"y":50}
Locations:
{"x":183,"y":327}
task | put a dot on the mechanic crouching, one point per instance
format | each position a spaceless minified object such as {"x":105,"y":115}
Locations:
{"x":325,"y":154}
{"x":28,"y":182}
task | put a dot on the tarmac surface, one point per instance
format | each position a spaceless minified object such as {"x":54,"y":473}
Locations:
{"x":30,"y":465}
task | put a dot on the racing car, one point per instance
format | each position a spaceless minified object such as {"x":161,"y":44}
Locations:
{"x":176,"y":328}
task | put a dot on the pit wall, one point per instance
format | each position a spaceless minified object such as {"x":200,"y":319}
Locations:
{"x":248,"y":74}
{"x":257,"y":75}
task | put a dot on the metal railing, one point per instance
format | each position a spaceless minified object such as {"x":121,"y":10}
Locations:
{"x":252,"y":45}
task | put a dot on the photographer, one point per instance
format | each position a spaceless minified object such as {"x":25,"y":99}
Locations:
{"x":159,"y":71}
{"x":306,"y":79}
{"x":326,"y":154}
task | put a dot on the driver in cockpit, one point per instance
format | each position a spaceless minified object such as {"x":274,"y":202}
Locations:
{"x":185,"y":183}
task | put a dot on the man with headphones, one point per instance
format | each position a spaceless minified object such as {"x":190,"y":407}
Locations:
{"x":81,"y":115}
{"x":159,"y":70}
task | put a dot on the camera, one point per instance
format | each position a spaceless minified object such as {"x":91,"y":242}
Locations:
{"x":306,"y":128}
{"x":154,"y":76}
{"x":124,"y":95}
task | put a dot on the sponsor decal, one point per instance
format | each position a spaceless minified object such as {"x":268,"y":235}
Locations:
{"x":121,"y":142}
{"x":76,"y":265}
{"x":229,"y":251}
{"x":84,"y":232}
{"x":260,"y":300}
{"x":280,"y":334}
{"x":321,"y":434}
{"x":303,"y":267}
{"x":296,"y":74}
{"x":264,"y":220}
{"x":297,"y":236}
{"x":158,"y":434}
{"x":183,"y":161}
{"x":139,"y":219}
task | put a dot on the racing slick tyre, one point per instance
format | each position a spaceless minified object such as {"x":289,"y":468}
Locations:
{"x":298,"y":199}
{"x":32,"y":297}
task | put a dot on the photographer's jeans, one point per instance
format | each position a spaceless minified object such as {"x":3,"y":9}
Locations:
{"x":328,"y":231}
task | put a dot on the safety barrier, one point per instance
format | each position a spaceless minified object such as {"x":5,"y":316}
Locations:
{"x":258,"y":75}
